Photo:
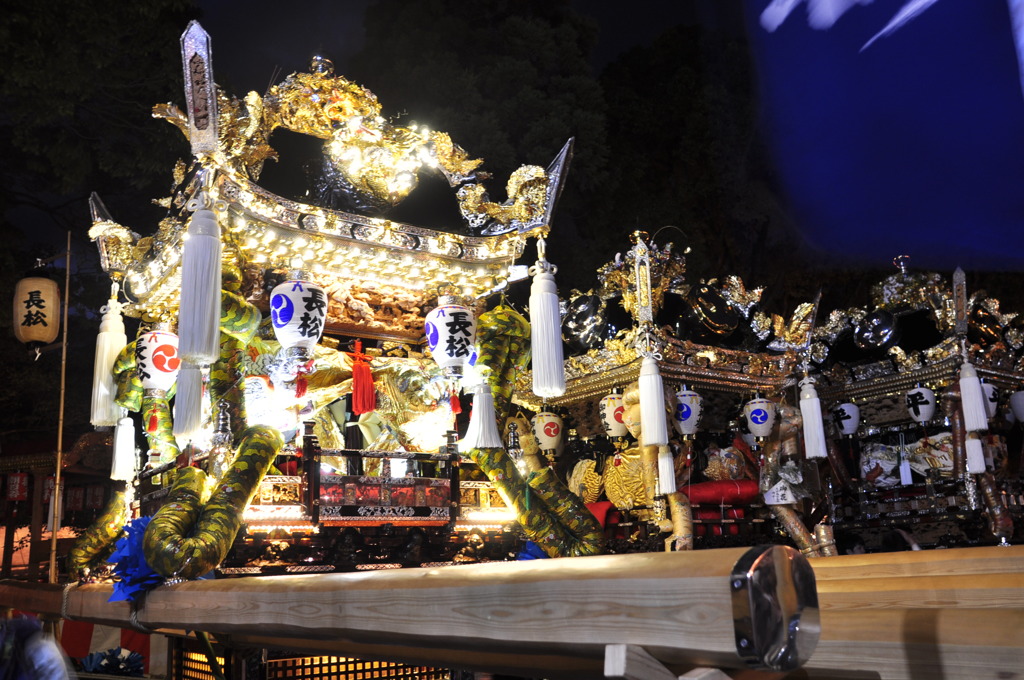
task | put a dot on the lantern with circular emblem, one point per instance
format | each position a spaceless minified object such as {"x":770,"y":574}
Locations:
{"x":991,"y":394}
{"x":547,"y":428}
{"x":298,"y":309}
{"x":760,"y":415}
{"x":36,"y":311}
{"x":156,"y":358}
{"x":451,"y":333}
{"x":920,"y":403}
{"x":611,"y":410}
{"x":689,"y":406}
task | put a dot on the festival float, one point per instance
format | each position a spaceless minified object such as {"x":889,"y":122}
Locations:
{"x":657,"y":477}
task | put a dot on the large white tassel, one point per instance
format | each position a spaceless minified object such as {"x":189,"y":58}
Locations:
{"x":975,"y":454}
{"x":546,"y":330}
{"x":199,"y":309}
{"x":109,"y":343}
{"x":123,"y":465}
{"x":814,"y":428}
{"x":482,"y":432}
{"x":653,"y":426}
{"x":972,"y":399}
{"x":666,"y":471}
{"x":188,"y":401}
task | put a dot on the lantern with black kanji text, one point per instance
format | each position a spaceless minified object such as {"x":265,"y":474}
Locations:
{"x":36,"y":311}
{"x":451,"y":333}
{"x":298,"y":310}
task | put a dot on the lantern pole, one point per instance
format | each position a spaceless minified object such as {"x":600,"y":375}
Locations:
{"x":60,"y":418}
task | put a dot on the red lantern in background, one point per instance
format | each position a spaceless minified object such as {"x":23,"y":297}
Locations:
{"x":94,"y":496}
{"x":76,"y":498}
{"x":36,"y":311}
{"x":17,"y":486}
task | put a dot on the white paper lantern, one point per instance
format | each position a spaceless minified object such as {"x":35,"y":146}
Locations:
{"x":760,"y":415}
{"x":547,"y":428}
{"x":156,"y":359}
{"x":847,"y":418}
{"x":1017,"y":405}
{"x":451,"y":333}
{"x":298,"y":309}
{"x":920,"y":404}
{"x":991,"y":393}
{"x":689,"y":406}
{"x":611,"y":409}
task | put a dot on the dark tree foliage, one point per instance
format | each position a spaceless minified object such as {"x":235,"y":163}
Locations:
{"x":511,"y":81}
{"x":78,"y":83}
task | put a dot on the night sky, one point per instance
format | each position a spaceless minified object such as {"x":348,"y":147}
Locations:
{"x":914,"y":145}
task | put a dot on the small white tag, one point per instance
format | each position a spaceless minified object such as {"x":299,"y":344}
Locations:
{"x":905,"y":477}
{"x":518,"y":272}
{"x":780,"y":494}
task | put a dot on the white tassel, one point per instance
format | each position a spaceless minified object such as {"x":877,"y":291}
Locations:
{"x":814,"y":428}
{"x":188,"y":401}
{"x":972,"y":399}
{"x":546,"y":331}
{"x":653,"y":426}
{"x":975,"y":455}
{"x":109,"y":343}
{"x":199,"y":309}
{"x":666,"y":471}
{"x":123,"y":465}
{"x":482,"y":432}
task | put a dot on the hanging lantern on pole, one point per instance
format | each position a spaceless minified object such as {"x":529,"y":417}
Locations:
{"x":548,"y":429}
{"x":298,"y":310}
{"x":847,"y":418}
{"x":156,"y":358}
{"x":36,"y":311}
{"x":760,"y":416}
{"x":611,"y":408}
{"x":689,"y":407}
{"x":451,"y":332}
{"x":1017,"y":405}
{"x":110,"y":340}
{"x":920,"y":403}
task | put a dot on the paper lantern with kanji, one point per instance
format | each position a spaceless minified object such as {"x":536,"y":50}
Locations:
{"x":611,"y":410}
{"x":156,"y":359}
{"x":298,"y":310}
{"x":36,"y":310}
{"x":451,"y":333}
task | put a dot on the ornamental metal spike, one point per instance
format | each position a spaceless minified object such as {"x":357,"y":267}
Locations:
{"x":556,"y":177}
{"x":200,"y":91}
{"x":960,"y":302}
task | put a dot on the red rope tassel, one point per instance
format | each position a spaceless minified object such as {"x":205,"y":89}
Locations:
{"x":455,"y":403}
{"x":364,"y":396}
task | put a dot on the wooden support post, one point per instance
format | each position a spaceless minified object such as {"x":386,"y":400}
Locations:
{"x":631,"y":662}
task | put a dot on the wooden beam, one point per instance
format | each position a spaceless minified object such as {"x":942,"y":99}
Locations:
{"x":678,"y":606}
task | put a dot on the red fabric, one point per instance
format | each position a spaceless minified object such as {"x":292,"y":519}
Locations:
{"x":80,"y":638}
{"x":455,"y":403}
{"x":364,"y":396}
{"x":600,"y":511}
{"x":301,"y":385}
{"x":732,"y":492}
